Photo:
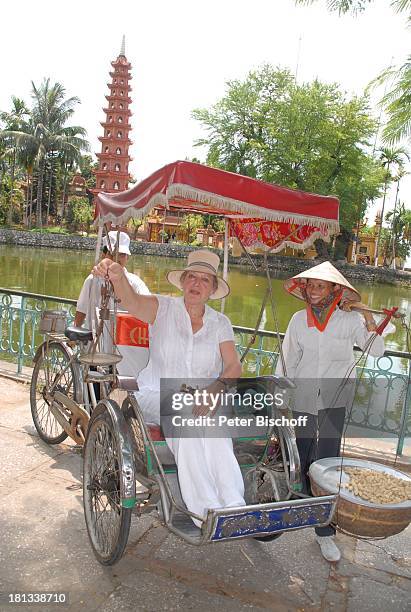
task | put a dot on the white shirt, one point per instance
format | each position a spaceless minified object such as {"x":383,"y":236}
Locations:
{"x":89,"y":300}
{"x":314,"y":357}
{"x":176,"y":352}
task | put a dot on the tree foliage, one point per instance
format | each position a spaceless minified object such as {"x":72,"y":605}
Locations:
{"x":399,"y":234}
{"x":80,"y":212}
{"x":191,"y":223}
{"x":304,"y":136}
{"x":43,"y":147}
{"x":397,"y":101}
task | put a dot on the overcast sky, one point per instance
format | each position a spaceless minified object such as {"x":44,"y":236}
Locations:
{"x":182,"y":53}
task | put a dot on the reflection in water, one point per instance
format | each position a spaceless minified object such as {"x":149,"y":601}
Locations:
{"x":61,"y":272}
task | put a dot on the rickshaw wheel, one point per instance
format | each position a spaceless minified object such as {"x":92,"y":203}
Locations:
{"x":268,"y":538}
{"x":52,"y":360}
{"x":107,"y":520}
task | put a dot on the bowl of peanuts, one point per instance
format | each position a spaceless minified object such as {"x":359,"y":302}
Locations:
{"x":374,"y":500}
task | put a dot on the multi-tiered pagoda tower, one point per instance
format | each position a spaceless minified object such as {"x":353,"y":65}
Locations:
{"x":112,"y":174}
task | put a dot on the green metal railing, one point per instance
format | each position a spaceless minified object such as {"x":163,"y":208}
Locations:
{"x":387,"y":378}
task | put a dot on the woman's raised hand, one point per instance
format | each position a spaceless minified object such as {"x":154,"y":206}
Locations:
{"x":109,"y":269}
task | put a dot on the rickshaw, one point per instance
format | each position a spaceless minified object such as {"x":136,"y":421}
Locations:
{"x":128,"y":468}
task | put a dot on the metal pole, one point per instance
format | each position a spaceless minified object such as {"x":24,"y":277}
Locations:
{"x":99,"y":240}
{"x":405,"y":413}
{"x":20,"y":356}
{"x":225,"y":259}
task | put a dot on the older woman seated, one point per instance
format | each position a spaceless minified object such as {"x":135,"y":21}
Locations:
{"x":188,"y":339}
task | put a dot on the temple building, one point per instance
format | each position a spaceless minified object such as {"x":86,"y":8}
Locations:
{"x":112,"y":174}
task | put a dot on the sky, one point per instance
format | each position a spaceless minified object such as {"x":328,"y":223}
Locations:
{"x":183,"y":53}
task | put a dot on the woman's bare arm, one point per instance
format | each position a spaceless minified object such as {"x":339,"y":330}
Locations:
{"x":144,"y":307}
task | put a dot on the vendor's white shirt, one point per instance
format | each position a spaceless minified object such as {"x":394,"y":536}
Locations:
{"x":316,"y":357}
{"x":175,"y":352}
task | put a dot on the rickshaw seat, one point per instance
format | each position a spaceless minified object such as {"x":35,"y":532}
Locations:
{"x":78,"y":334}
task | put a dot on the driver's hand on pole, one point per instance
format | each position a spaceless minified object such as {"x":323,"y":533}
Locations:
{"x":108,"y":269}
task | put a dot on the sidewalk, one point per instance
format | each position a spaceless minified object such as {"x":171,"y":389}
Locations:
{"x":45,"y":548}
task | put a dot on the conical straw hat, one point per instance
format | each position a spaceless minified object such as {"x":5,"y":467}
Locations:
{"x":324,"y":271}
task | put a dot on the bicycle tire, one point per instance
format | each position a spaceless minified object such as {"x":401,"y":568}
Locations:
{"x":103,"y":483}
{"x":48,"y":428}
{"x":268,"y":538}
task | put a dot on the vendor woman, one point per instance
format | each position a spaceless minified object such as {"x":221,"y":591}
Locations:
{"x":318,"y":350}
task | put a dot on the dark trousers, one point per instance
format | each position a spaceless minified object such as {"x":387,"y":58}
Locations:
{"x":320,"y":438}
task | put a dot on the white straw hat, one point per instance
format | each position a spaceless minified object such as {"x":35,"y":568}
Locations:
{"x":123,"y":242}
{"x":206,"y":262}
{"x":324,"y":271}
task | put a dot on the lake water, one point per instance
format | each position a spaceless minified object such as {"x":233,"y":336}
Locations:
{"x":60,"y":272}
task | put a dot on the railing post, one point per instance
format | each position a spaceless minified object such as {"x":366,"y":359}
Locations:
{"x":20,"y":355}
{"x":405,"y":414}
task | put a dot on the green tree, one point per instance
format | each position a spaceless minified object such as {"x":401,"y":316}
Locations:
{"x":80,"y":213}
{"x":48,"y":134}
{"x":14,"y":120}
{"x":305,"y":136}
{"x":87,"y":166}
{"x":389,"y":158}
{"x":398,"y":237}
{"x":396,"y":102}
{"x":70,"y":156}
{"x":191,"y":223}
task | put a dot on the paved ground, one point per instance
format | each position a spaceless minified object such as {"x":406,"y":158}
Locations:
{"x":44,"y":547}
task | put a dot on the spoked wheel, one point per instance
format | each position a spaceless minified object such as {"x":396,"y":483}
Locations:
{"x":53,"y":365}
{"x":107,"y":520}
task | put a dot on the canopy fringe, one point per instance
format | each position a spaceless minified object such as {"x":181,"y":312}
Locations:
{"x":179,"y":190}
{"x":223,"y":203}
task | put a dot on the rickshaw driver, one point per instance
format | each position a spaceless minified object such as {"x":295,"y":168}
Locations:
{"x":84,"y":302}
{"x":188,"y":339}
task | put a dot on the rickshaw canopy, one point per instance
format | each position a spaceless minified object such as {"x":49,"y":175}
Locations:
{"x":260,"y":213}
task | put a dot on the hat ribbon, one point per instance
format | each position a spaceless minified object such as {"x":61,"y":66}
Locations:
{"x":203,"y":263}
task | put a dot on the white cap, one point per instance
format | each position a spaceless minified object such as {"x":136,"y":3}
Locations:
{"x":123,"y":242}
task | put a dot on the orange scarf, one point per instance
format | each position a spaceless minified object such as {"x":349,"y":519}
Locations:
{"x":319,"y":316}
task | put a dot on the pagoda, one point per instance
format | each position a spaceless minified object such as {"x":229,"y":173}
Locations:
{"x":112,"y":174}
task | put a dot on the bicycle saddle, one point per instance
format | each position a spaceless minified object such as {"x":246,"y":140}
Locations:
{"x":78,"y":334}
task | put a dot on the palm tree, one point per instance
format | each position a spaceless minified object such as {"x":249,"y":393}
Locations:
{"x":14,"y":121}
{"x":48,"y":133}
{"x":71,"y":155}
{"x":388,"y":157}
{"x":397,"y":102}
